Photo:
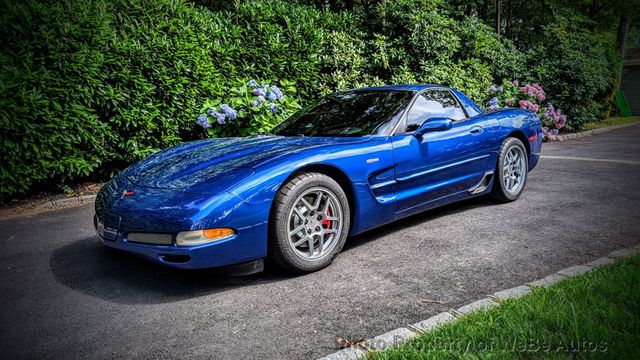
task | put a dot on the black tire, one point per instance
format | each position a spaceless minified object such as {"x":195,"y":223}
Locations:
{"x":280,"y":248}
{"x":499,"y":191}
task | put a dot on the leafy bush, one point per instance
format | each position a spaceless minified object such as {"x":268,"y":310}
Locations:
{"x":52,"y":80}
{"x":580,"y":76}
{"x":88,"y":86}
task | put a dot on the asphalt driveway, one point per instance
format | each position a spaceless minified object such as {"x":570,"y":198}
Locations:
{"x":64,"y":296}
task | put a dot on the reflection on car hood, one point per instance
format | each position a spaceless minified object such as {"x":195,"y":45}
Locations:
{"x":213,"y":166}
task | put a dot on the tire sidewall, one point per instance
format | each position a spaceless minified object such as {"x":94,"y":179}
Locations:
{"x":279,"y":241}
{"x":507,"y":145}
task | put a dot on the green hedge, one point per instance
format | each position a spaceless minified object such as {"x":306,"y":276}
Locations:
{"x":90,"y":86}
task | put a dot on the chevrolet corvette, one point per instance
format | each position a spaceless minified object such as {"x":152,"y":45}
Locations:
{"x":353,"y":161}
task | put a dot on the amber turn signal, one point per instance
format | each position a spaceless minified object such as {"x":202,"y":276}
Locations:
{"x":199,"y":237}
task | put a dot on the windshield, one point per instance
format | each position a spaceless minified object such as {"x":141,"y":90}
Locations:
{"x":349,"y":113}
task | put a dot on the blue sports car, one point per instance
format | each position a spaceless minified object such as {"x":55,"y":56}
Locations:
{"x":353,"y":161}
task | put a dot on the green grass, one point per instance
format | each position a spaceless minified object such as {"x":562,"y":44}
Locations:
{"x":595,"y":315}
{"x":612,"y":121}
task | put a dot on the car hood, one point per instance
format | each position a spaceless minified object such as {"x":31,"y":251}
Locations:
{"x":213,"y":166}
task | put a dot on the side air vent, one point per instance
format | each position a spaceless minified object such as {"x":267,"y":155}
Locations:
{"x":483,"y":184}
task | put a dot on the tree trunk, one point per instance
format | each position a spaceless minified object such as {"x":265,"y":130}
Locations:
{"x":509,"y":19}
{"x":623,"y":30}
{"x":482,"y":11}
{"x":498,"y":3}
{"x":348,"y":4}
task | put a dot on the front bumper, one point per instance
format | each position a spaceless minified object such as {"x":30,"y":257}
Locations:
{"x":164,"y":211}
{"x":225,"y":252}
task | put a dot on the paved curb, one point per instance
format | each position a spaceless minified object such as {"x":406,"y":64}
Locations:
{"x":68,"y":201}
{"x":592,"y":132}
{"x":401,"y":335}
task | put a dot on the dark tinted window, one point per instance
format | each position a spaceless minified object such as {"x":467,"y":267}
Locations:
{"x":433,"y":103}
{"x":349,"y":113}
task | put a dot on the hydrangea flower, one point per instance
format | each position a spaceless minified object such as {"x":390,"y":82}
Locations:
{"x":221,"y":119}
{"x":556,"y":116}
{"x":231,"y":113}
{"x":526,"y":104}
{"x":256,"y":103}
{"x":493,"y":103}
{"x":496,"y":89}
{"x":259,"y":91}
{"x":203,"y":121}
{"x":212,"y":112}
{"x":278,"y":93}
{"x":516,"y":82}
{"x":534,"y":91}
{"x":510,"y":102}
{"x":271,"y":96}
{"x":252,"y":83}
{"x":274,"y":108}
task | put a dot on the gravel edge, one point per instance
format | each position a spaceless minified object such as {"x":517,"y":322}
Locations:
{"x":401,"y":335}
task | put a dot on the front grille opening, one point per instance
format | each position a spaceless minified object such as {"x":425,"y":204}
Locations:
{"x":150,"y":238}
{"x":176,"y":259}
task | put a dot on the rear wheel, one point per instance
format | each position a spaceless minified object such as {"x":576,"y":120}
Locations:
{"x":511,"y":171}
{"x":309,"y":223}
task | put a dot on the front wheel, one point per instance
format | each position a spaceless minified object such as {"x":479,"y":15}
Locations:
{"x":511,"y":171}
{"x":309,"y":223}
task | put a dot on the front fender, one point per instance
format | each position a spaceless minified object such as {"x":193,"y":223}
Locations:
{"x":367,"y":165}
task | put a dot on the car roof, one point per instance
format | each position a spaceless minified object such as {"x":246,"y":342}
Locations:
{"x":405,"y":87}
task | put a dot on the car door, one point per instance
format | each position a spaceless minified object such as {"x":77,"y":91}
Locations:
{"x":437,"y":164}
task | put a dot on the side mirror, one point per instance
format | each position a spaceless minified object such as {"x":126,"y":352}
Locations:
{"x":434,"y":124}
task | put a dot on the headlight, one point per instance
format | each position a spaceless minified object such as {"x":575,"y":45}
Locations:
{"x":199,"y":237}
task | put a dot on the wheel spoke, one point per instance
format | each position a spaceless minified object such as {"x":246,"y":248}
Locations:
{"x":320,"y":244}
{"x":297,"y":230}
{"x":326,"y":206}
{"x":306,"y":204}
{"x":301,"y":241}
{"x":299,"y":212}
{"x":316,"y":205}
{"x":310,"y":245}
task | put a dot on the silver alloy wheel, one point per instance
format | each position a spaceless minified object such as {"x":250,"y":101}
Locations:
{"x":513,"y":170}
{"x":315,"y":223}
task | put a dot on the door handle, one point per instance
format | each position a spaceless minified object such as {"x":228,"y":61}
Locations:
{"x":476,"y":130}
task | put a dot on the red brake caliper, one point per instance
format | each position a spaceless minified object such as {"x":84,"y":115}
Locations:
{"x":326,"y":222}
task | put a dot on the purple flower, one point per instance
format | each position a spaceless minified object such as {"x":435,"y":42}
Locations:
{"x":203,"y":121}
{"x":261,"y":98}
{"x":510,"y":102}
{"x":271,"y":96}
{"x":493,"y":88}
{"x":274,"y":108}
{"x":493,"y":103}
{"x":516,"y":82}
{"x":259,"y":91}
{"x":221,"y":119}
{"x":534,"y":91}
{"x":276,"y":90}
{"x":252,"y":83}
{"x":256,"y":103}
{"x":229,"y":111}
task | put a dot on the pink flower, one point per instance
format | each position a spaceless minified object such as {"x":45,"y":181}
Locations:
{"x":510,"y":102}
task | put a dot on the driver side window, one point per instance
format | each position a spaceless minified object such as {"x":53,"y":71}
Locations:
{"x":430,"y":104}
